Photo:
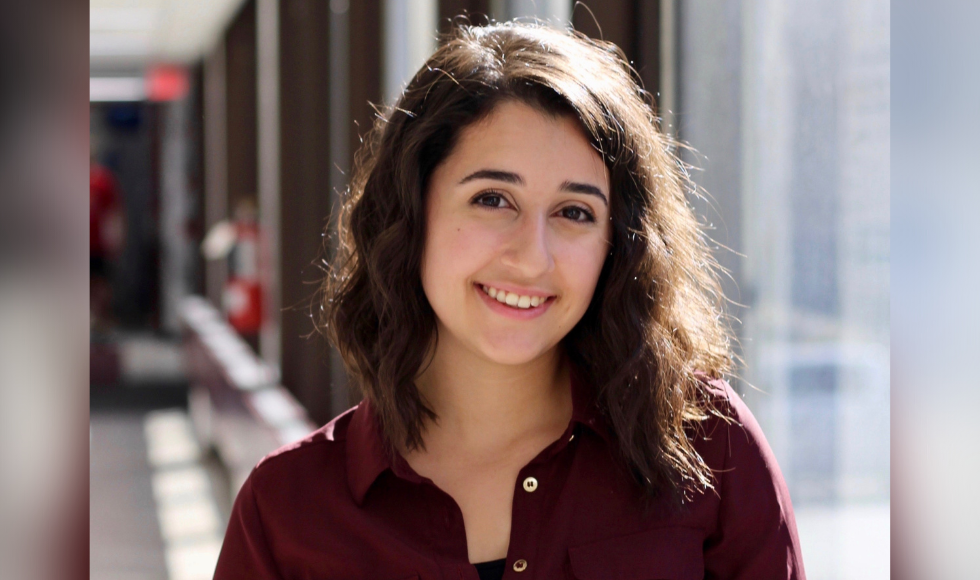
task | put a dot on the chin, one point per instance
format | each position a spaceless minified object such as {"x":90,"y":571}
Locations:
{"x":513,"y":354}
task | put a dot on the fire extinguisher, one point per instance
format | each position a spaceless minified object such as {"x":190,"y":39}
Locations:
{"x":242,"y":298}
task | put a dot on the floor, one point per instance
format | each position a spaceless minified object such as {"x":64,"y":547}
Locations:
{"x":125,"y":541}
{"x":157,"y":511}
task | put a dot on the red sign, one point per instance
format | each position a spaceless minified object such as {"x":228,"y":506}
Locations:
{"x":166,"y":83}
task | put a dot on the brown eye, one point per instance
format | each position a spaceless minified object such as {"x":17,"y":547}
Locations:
{"x":491,"y":200}
{"x":577,"y":214}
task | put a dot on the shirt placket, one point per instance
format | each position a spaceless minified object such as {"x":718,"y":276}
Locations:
{"x":456,"y":566}
{"x":538,"y":483}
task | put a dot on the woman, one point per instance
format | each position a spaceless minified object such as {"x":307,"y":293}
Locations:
{"x":529,"y":308}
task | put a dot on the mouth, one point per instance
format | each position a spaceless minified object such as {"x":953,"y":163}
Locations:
{"x":514,"y":300}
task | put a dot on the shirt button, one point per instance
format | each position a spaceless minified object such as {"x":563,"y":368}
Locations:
{"x":520,"y":565}
{"x":530,"y":484}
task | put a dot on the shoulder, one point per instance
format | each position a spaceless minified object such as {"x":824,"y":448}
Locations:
{"x":731,"y":438}
{"x":320,"y":453}
{"x":755,"y":528}
{"x":718,"y":392}
{"x":734,"y":446}
{"x":295,"y":502}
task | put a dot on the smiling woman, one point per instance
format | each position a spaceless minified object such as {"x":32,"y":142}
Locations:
{"x":525,"y":299}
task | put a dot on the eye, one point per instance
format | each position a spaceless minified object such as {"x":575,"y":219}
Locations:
{"x":577,"y":214}
{"x":491,"y":199}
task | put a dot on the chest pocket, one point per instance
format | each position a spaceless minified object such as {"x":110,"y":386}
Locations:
{"x":671,"y":553}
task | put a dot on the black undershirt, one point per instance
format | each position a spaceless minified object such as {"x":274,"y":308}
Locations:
{"x":493,"y":570}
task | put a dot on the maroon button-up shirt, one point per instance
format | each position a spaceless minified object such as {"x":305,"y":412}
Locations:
{"x":335,"y":505}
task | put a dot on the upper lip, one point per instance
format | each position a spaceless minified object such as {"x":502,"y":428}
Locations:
{"x":518,"y":290}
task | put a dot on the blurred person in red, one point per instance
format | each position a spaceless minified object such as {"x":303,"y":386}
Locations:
{"x":105,"y":241}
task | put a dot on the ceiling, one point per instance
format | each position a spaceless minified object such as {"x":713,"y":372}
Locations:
{"x":127,"y":35}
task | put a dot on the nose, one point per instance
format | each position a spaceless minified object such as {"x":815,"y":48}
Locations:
{"x":529,"y":250}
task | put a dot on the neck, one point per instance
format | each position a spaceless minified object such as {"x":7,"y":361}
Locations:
{"x":483,"y":405}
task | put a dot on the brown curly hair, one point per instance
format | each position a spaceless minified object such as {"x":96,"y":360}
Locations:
{"x":656,"y":320}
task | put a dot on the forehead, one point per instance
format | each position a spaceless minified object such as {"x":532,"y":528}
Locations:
{"x":517,"y":137}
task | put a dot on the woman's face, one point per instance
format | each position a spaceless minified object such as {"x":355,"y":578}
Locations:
{"x":518,"y":230}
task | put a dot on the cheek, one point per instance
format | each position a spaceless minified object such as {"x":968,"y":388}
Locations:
{"x":583,"y":266}
{"x":454,"y":252}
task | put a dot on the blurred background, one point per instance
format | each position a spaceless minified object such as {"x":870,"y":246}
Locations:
{"x":221,"y":131}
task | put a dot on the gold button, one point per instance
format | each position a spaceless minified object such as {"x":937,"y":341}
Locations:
{"x":530,"y":484}
{"x":520,"y":565}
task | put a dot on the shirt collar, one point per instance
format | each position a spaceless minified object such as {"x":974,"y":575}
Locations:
{"x":366,"y":454}
{"x":368,"y":458}
{"x":585,"y":409}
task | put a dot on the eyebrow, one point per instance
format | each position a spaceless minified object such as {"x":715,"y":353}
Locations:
{"x":514,"y":178}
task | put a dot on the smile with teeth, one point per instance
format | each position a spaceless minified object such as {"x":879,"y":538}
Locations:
{"x":514,"y":300}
